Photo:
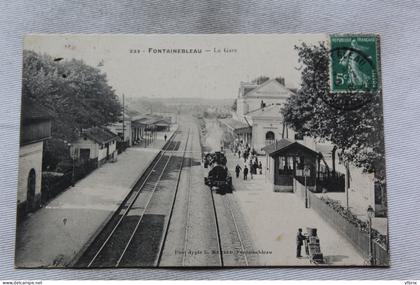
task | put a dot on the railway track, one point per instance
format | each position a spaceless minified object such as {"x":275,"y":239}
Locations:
{"x":233,"y":243}
{"x":190,"y":225}
{"x":242,"y":246}
{"x":192,"y":240}
{"x":134,"y":225}
{"x":137,"y":234}
{"x":187,"y":224}
{"x":174,"y":198}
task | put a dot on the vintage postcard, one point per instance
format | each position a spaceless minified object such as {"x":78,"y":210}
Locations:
{"x":201,"y":151}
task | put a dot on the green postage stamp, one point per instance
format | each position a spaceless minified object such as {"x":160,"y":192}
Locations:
{"x":354,"y":63}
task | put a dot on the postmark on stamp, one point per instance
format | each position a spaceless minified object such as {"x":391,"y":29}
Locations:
{"x":354,"y":63}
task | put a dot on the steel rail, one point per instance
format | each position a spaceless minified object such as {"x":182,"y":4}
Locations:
{"x":186,"y":232}
{"x":163,"y":240}
{"x":144,"y":211}
{"x":219,"y":242}
{"x":236,"y":228}
{"x":131,"y":203}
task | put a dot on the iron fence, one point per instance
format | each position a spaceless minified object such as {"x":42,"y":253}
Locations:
{"x":355,"y":232}
{"x":53,"y":185}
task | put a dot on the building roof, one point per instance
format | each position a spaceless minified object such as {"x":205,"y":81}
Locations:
{"x":100,"y":135}
{"x":137,"y":124}
{"x":162,"y":122}
{"x":247,"y":87}
{"x":150,"y":119}
{"x":279,"y":144}
{"x":285,"y":146}
{"x":33,"y":111}
{"x":233,"y":124}
{"x":270,"y":89}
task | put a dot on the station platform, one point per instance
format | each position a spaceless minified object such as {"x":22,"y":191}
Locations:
{"x":54,"y":235}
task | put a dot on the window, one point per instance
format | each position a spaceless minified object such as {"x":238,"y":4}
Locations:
{"x":269,"y":138}
{"x":269,"y":135}
{"x":285,"y":165}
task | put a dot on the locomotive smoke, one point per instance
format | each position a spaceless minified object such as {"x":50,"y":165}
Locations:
{"x":214,"y":135}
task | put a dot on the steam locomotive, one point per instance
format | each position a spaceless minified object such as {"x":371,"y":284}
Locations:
{"x":218,"y":177}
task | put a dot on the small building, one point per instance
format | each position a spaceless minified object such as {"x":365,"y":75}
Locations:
{"x":147,"y":128}
{"x":163,"y":124}
{"x":96,"y":143}
{"x":155,"y":122}
{"x":35,"y":129}
{"x":287,"y":160}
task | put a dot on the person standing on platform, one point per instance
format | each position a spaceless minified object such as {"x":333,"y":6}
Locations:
{"x":251,"y":168}
{"x":237,"y":170}
{"x":299,"y":242}
{"x":245,"y":172}
{"x":165,"y":137}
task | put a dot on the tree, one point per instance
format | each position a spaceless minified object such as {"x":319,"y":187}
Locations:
{"x":353,"y":121}
{"x":77,"y":94}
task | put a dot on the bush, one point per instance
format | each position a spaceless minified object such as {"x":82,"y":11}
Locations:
{"x":353,"y":219}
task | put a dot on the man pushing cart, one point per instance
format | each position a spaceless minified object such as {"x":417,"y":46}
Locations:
{"x":312,"y":246}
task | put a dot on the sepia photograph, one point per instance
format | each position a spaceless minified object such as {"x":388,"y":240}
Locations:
{"x":221,"y":150}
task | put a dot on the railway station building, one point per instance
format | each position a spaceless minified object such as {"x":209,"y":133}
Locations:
{"x":258,"y":118}
{"x":35,"y":129}
{"x":96,"y":143}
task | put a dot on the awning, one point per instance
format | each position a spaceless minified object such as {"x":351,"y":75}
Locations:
{"x":237,"y":127}
{"x":138,"y":124}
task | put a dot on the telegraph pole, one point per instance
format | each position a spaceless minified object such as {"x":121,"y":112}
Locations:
{"x":123,"y":115}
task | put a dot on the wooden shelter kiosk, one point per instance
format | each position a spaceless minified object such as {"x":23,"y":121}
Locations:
{"x":288,"y":161}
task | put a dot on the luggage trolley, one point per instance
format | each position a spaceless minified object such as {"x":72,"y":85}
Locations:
{"x":312,"y":247}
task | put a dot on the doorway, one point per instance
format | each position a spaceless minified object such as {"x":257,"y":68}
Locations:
{"x":30,"y":196}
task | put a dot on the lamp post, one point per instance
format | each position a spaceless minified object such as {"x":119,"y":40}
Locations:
{"x":370,"y":213}
{"x":72,"y":155}
{"x":306,"y":172}
{"x":346,"y":183}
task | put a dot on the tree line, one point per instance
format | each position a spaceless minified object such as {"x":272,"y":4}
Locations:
{"x":76,"y":95}
{"x":353,"y":121}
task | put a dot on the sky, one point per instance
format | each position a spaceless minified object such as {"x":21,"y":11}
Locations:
{"x":135,"y":67}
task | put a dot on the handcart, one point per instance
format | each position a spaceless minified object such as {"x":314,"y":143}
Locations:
{"x":312,"y":247}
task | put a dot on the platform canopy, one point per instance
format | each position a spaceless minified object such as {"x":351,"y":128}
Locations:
{"x":237,"y":127}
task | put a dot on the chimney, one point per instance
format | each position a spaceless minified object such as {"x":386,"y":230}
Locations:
{"x":281,"y":80}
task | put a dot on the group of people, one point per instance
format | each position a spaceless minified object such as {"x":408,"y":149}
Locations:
{"x":255,"y":166}
{"x":245,"y":151}
{"x":249,"y":155}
